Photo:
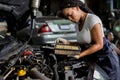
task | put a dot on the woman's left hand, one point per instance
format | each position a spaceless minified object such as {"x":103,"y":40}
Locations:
{"x":76,"y":56}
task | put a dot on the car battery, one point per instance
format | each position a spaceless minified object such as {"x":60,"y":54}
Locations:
{"x":65,"y":49}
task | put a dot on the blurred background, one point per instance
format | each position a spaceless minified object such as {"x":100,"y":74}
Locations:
{"x":107,"y":10}
{"x":17,"y":12}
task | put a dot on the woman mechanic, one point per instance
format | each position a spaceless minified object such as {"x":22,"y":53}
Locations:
{"x":90,"y":31}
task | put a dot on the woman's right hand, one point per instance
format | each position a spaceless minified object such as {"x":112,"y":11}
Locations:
{"x":61,"y":40}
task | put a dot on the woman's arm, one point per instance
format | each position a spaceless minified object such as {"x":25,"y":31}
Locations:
{"x":97,"y":39}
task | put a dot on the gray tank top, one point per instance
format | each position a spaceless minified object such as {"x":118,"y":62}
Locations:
{"x":84,"y":36}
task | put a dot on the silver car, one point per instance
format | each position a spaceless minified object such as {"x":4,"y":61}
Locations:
{"x":48,"y":29}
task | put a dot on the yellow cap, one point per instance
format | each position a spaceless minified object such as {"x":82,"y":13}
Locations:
{"x":66,"y":67}
{"x":22,"y":73}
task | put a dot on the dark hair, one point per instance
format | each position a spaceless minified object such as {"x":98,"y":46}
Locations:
{"x":73,"y":3}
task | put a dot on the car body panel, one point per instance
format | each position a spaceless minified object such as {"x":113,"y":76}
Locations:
{"x":59,"y":28}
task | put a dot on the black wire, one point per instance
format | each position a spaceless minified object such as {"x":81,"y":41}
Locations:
{"x":21,"y":50}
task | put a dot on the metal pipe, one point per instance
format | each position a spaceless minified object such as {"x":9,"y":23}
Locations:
{"x":34,"y":73}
